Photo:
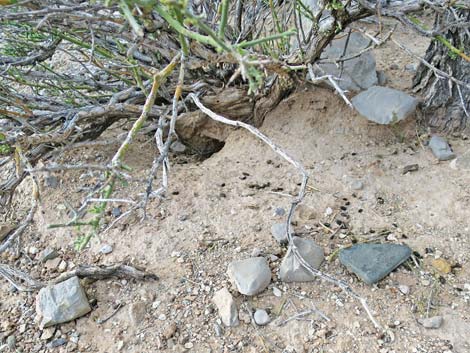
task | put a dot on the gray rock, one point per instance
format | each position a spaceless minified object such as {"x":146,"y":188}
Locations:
{"x":355,"y":74}
{"x":48,"y":254}
{"x":106,"y":249}
{"x":251,"y":276}
{"x":178,"y":147}
{"x":261,"y":317}
{"x":440,"y":148}
{"x":228,"y":311}
{"x":411,"y":67}
{"x":404,"y":289}
{"x":291,"y":269}
{"x":279,"y":232}
{"x":56,"y":343}
{"x":279,"y":211}
{"x":116,"y":212}
{"x":11,"y":342}
{"x":384,"y":105}
{"x":432,"y":322}
{"x":357,"y":185}
{"x":61,"y":302}
{"x":51,"y":181}
{"x":372,"y":262}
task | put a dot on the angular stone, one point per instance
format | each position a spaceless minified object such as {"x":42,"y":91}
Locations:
{"x":291,"y":269}
{"x":48,"y":254}
{"x":228,"y":311}
{"x":61,"y":302}
{"x":432,"y":322}
{"x":384,"y":105}
{"x":440,"y":148}
{"x":356,"y":74}
{"x":137,"y":312}
{"x":279,"y":232}
{"x":251,"y":276}
{"x":372,"y":262}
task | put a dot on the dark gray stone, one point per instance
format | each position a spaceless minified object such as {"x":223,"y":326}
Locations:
{"x":279,"y":232}
{"x":61,"y":302}
{"x":291,"y":269}
{"x":440,"y":148}
{"x":384,"y":105}
{"x":372,"y":262}
{"x":51,"y":181}
{"x":251,"y":276}
{"x":56,"y":343}
{"x":355,"y":74}
{"x":116,"y":212}
{"x":382,"y":78}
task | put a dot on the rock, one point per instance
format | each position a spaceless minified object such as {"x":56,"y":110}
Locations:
{"x":219,"y":331}
{"x":11,"y":342}
{"x":48,"y":254}
{"x":47,"y":333}
{"x":277,"y":292}
{"x":5,"y":229}
{"x":256,"y":252}
{"x":404,"y":289}
{"x":261,"y":317}
{"x":440,"y":148}
{"x":137,"y":312}
{"x":357,"y":185}
{"x":56,"y":343}
{"x":116,"y":212}
{"x":381,"y":78}
{"x":384,"y":105}
{"x":291,"y":270}
{"x":251,"y":276}
{"x":279,"y":212}
{"x":33,"y":250}
{"x":355,"y":74}
{"x":169,"y":331}
{"x":410,"y":168}
{"x":62,"y":266}
{"x":61,"y":302}
{"x":51,"y":181}
{"x":177,"y":147}
{"x":372,"y":262}
{"x":411,"y":67}
{"x":441,"y":265}
{"x":106,"y":249}
{"x":432,"y":322}
{"x":53,"y":264}
{"x":228,"y":311}
{"x":279,"y":232}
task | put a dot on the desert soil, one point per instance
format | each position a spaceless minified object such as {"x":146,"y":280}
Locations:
{"x":222,"y":208}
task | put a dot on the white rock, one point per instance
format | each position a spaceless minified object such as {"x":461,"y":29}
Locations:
{"x":61,"y":302}
{"x":277,"y":292}
{"x":106,"y":249}
{"x":228,"y":311}
{"x":261,"y":317}
{"x":404,"y":289}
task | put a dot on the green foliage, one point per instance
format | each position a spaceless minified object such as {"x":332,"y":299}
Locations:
{"x":4,"y":149}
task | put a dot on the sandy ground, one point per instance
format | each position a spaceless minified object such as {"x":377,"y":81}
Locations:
{"x":222,"y":209}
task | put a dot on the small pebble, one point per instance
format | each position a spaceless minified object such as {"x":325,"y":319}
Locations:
{"x":56,"y":343}
{"x":277,"y":292}
{"x":261,"y":317}
{"x":106,"y":249}
{"x":279,"y":211}
{"x":116,"y":212}
{"x":162,"y":317}
{"x":11,"y":342}
{"x":404,"y":289}
{"x":357,"y":185}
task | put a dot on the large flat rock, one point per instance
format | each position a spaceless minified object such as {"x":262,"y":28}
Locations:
{"x":356,"y":74}
{"x":372,"y":262}
{"x":384,"y":105}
